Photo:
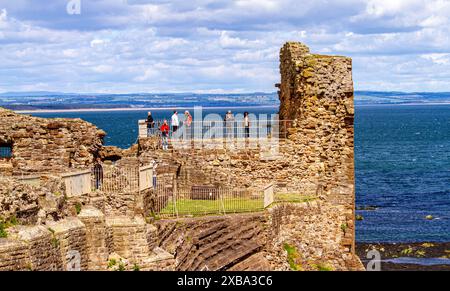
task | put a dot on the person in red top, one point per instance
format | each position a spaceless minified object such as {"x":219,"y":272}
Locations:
{"x":165,"y":135}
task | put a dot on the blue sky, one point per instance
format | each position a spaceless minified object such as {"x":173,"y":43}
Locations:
{"x":120,"y":46}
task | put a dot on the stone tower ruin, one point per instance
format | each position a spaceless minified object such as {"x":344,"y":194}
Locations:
{"x":316,"y":92}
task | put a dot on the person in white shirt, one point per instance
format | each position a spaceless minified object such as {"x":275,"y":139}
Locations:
{"x":175,"y":121}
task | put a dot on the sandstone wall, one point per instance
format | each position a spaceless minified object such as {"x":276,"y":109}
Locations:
{"x":316,"y":92}
{"x":48,"y":145}
{"x":239,"y":168}
{"x":316,"y":231}
{"x":70,"y":236}
{"x":45,"y":200}
{"x":14,"y":256}
{"x":83,"y":243}
{"x":33,"y":204}
{"x":43,"y":250}
{"x":98,"y":238}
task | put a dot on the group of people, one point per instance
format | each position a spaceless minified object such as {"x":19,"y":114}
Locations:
{"x":164,"y":128}
{"x":229,"y":124}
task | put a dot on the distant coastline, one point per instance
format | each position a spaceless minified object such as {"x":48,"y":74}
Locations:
{"x":403,"y":104}
{"x":204,"y":108}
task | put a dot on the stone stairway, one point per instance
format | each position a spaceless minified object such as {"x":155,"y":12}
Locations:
{"x":214,"y":243}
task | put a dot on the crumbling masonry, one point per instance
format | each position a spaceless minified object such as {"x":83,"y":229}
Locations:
{"x":316,"y":159}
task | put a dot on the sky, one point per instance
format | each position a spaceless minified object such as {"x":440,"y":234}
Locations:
{"x":205,"y":46}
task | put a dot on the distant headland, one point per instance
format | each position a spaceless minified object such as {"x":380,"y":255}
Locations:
{"x":25,"y":102}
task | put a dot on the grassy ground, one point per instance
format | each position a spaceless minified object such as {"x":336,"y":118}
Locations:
{"x":292,"y":197}
{"x":235,"y":205}
{"x":203,"y":207}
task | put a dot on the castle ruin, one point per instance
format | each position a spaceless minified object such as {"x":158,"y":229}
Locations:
{"x":47,"y":225}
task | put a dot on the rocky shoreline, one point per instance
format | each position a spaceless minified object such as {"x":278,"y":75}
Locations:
{"x":423,"y":253}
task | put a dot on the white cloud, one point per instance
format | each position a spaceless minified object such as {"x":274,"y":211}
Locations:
{"x":70,"y":53}
{"x":98,"y":42}
{"x":440,"y":59}
{"x":226,"y":41}
{"x":102,"y":69}
{"x":3,"y":15}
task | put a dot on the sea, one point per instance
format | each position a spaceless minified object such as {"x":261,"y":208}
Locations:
{"x":402,"y":160}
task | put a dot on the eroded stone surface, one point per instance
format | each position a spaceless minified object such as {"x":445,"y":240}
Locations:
{"x":41,"y":145}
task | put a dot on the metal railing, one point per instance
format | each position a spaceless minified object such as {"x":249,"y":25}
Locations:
{"x":205,"y":200}
{"x":115,"y":180}
{"x":235,"y":129}
{"x":112,"y":179}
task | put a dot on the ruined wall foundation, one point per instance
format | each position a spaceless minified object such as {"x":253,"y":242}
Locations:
{"x":42,"y":145}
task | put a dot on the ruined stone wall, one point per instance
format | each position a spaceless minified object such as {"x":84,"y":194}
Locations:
{"x":43,"y":250}
{"x":47,"y":145}
{"x":317,"y":158}
{"x":238,"y":167}
{"x":316,"y":92}
{"x":315,"y":232}
{"x":89,"y":241}
{"x":45,"y":200}
{"x":33,"y":204}
{"x":98,"y":238}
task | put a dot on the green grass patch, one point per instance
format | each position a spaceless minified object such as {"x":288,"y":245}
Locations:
{"x":3,"y":233}
{"x":293,"y":257}
{"x":427,"y":245}
{"x":78,"y":207}
{"x":293,"y":198}
{"x":406,"y":252}
{"x":111,"y":263}
{"x":5,"y":224}
{"x":323,"y":267}
{"x":205,"y":207}
{"x":420,"y":253}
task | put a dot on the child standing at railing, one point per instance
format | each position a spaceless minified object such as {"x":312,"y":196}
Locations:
{"x":165,"y":135}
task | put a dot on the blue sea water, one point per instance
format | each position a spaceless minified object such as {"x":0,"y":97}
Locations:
{"x":402,"y":156}
{"x":402,"y":159}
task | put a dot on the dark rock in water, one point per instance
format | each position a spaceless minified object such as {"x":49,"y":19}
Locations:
{"x":366,"y":208}
{"x":359,"y":217}
{"x":423,"y":256}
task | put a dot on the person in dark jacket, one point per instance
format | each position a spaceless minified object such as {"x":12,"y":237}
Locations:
{"x":150,"y":124}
